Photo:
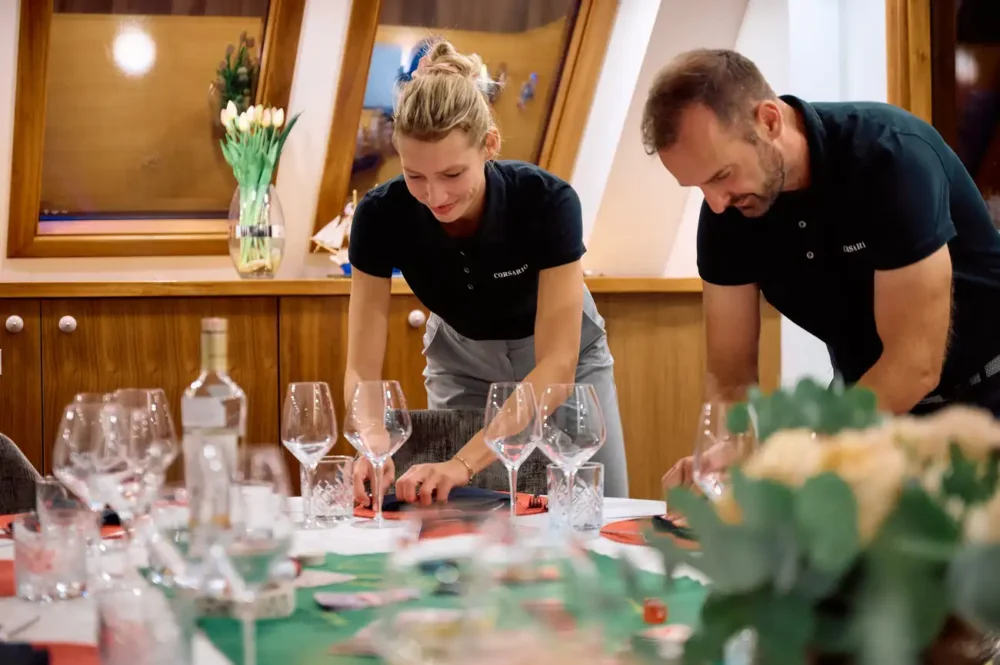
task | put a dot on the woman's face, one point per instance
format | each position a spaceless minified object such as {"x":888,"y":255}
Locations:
{"x":447,"y":176}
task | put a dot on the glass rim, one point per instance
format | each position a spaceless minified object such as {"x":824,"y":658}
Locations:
{"x":336,"y":458}
{"x":585,"y":465}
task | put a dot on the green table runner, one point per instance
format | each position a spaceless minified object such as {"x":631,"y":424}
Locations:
{"x":305,"y":638}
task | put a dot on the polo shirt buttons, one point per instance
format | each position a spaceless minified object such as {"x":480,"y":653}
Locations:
{"x":470,"y":286}
{"x":466,"y":270}
{"x":809,"y":255}
{"x":802,"y":225}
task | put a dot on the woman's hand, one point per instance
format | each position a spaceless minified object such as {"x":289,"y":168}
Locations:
{"x":431,"y":479}
{"x":363,"y":472}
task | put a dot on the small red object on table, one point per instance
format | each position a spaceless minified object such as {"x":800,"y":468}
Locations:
{"x":654,"y":611}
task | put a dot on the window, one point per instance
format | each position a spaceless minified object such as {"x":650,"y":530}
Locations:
{"x":545,"y":52}
{"x":116,"y":149}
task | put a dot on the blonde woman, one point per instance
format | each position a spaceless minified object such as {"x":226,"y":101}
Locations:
{"x":492,"y":249}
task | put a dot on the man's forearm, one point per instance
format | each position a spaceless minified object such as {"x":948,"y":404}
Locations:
{"x":898,"y":385}
{"x":727,"y":389}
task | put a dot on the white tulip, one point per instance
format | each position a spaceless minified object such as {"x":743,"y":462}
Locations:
{"x":244,"y":122}
{"x":229,"y":114}
{"x":251,"y":114}
{"x":278,"y":118}
{"x":259,"y":113}
{"x":265,"y":119}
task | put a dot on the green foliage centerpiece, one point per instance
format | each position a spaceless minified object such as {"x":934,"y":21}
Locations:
{"x":849,"y":537}
{"x":236,"y":76}
{"x":252,"y":147}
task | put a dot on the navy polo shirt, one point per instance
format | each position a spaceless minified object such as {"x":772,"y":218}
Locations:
{"x":886,"y":191}
{"x":484,"y":286}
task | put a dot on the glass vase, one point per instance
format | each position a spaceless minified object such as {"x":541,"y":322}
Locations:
{"x":256,"y":232}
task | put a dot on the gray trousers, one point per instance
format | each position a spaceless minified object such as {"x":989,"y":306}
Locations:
{"x":460,"y":370}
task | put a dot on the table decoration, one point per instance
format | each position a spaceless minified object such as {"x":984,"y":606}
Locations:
{"x":235,"y":80}
{"x":252,"y":147}
{"x":851,"y":536}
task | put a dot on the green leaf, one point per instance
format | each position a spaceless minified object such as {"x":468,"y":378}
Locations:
{"x":962,"y":478}
{"x":722,"y":616}
{"x":919,"y":527}
{"x":738,"y":419}
{"x":701,"y":515}
{"x":785,"y":626}
{"x":738,"y":560}
{"x":973,"y":581}
{"x":763,"y":503}
{"x":817,"y":584}
{"x":826,"y":518}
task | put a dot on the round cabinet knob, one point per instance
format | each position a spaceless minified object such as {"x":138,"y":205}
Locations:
{"x":67,"y":324}
{"x":416,"y":318}
{"x":15,"y":323}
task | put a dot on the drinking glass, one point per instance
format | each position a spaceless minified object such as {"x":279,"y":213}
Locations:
{"x":377,"y":424}
{"x":511,"y":428}
{"x":50,"y":560}
{"x":171,"y":516}
{"x":308,"y":431}
{"x":586,"y":512}
{"x":261,"y":530}
{"x":716,"y":449}
{"x":572,"y":429}
{"x":162,"y":448}
{"x":140,"y":625}
{"x":332,"y":494}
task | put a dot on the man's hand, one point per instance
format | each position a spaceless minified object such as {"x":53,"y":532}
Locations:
{"x":680,"y":474}
{"x":422,"y":481}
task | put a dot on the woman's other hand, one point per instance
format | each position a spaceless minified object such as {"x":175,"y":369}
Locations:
{"x":434,"y":481}
{"x":363,"y":472}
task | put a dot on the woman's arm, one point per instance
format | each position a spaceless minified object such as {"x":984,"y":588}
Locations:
{"x":367,"y":328}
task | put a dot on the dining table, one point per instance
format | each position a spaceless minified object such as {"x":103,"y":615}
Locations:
{"x":69,"y":629}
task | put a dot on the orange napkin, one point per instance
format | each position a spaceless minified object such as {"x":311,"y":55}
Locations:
{"x":527,"y":504}
{"x":632,"y":532}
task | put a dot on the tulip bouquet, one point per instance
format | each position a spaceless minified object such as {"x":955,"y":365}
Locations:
{"x":849,"y":536}
{"x":252,"y":147}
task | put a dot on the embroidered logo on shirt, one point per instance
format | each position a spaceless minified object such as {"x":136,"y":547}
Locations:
{"x":511,"y":273}
{"x":856,"y":247}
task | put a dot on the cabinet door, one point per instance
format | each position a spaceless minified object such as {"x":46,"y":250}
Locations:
{"x":112,"y":343}
{"x":313,"y":337}
{"x":21,"y":377}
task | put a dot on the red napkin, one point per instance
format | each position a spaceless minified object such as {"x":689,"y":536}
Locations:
{"x":71,"y":654}
{"x":631,"y":532}
{"x":527,"y":504}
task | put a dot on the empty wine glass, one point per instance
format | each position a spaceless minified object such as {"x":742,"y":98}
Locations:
{"x":377,"y":424}
{"x":573,"y":429}
{"x":260,"y":528}
{"x":308,"y":430}
{"x":511,"y":428}
{"x":161,"y":449}
{"x":716,"y":449}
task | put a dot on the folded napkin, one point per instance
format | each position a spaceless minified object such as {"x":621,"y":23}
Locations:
{"x":14,"y":653}
{"x":464,"y":498}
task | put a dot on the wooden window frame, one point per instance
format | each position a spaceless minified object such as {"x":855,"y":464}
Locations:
{"x":909,"y":69}
{"x":588,"y":44}
{"x":28,"y":238}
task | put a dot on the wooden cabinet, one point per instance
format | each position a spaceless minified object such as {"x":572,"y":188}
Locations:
{"x":109,"y":343}
{"x":20,"y":376}
{"x":313,"y":334}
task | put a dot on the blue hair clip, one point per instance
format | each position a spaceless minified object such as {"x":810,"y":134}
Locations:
{"x":419,"y":51}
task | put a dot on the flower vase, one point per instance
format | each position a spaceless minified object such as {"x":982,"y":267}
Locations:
{"x":256,"y":232}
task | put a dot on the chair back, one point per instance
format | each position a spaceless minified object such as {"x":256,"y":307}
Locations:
{"x":440,"y":433}
{"x":17,"y":479}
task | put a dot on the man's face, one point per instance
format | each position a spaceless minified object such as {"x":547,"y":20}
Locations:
{"x":734,"y":166}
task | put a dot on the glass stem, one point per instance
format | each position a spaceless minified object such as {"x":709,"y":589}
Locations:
{"x":307,"y":499}
{"x":377,"y":490}
{"x":512,"y":477}
{"x":249,"y":631}
{"x":570,"y":486}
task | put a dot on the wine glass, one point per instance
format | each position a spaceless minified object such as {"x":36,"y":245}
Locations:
{"x":716,"y":449}
{"x":308,"y":431}
{"x":161,"y":448}
{"x":573,"y":429}
{"x":511,"y":428}
{"x":260,"y":531}
{"x":377,"y":424}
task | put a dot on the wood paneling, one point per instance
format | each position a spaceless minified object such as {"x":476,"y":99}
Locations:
{"x":145,"y":343}
{"x":176,"y":7}
{"x":165,"y":138}
{"x":658,"y":344}
{"x":21,"y":378}
{"x":908,"y":56}
{"x":494,"y":16}
{"x":313,"y":333}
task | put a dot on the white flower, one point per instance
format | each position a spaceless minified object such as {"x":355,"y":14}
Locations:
{"x":265,"y":119}
{"x":258,"y":112}
{"x":278,"y":118}
{"x":251,"y":114}
{"x":244,"y":121}
{"x":983,"y":522}
{"x":229,"y":114}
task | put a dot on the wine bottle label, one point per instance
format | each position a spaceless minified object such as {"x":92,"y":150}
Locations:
{"x":202,"y":413}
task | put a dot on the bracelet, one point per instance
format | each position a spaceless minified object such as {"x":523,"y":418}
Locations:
{"x":467,"y":466}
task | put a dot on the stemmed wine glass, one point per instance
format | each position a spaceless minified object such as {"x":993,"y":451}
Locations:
{"x":377,"y":424}
{"x":511,"y":428}
{"x":161,"y":449}
{"x":572,"y":430}
{"x":716,"y":449}
{"x":260,"y":528}
{"x":308,"y":431}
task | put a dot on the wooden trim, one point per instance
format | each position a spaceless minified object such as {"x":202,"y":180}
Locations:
{"x":28,"y":238}
{"x":312,"y":287}
{"x":578,"y":81}
{"x":358,"y":44}
{"x":135,"y":227}
{"x":908,"y":56}
{"x":564,"y":128}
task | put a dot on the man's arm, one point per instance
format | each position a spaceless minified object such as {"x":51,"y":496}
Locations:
{"x":913,"y":317}
{"x":732,"y":335}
